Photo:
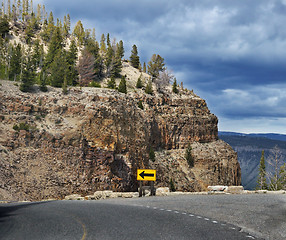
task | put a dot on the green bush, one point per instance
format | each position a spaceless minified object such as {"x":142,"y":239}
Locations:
{"x":140,"y":104}
{"x":94,"y":84}
{"x":152,"y":155}
{"x":111,"y":83}
{"x":189,"y":156}
{"x":172,"y":185}
{"x":22,"y":126}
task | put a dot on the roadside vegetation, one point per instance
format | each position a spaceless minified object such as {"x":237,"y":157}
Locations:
{"x":272,"y":171}
{"x":37,"y":48}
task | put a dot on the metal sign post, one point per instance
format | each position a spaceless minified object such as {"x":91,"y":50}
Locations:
{"x":146,"y":175}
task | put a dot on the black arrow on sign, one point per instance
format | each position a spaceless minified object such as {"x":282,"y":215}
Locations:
{"x":143,"y":174}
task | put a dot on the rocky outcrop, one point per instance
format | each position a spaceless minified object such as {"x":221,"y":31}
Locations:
{"x":53,"y":145}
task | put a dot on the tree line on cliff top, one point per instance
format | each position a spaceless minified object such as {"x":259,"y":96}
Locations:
{"x":49,"y":53}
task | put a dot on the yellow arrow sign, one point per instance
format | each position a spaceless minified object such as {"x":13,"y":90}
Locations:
{"x":146,"y":175}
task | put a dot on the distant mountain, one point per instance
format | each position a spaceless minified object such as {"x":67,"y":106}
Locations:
{"x":273,"y":136}
{"x":249,"y":148}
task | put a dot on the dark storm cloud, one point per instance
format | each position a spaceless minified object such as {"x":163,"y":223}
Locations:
{"x":232,"y":53}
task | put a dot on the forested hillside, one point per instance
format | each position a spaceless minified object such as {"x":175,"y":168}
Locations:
{"x":38,"y":48}
{"x":249,"y":148}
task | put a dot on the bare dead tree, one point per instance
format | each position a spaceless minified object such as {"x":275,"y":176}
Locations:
{"x":164,"y":79}
{"x":275,"y":161}
{"x":86,"y":69}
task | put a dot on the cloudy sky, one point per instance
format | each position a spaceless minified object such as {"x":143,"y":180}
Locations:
{"x":231,"y":52}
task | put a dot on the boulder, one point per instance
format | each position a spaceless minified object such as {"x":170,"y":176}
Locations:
{"x":217,"y":188}
{"x":74,"y":197}
{"x":235,"y":189}
{"x":162,"y":191}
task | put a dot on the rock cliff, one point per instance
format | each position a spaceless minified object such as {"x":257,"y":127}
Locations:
{"x":52,"y":145}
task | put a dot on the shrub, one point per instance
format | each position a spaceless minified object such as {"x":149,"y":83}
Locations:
{"x":189,"y":156}
{"x":172,"y":186}
{"x":22,"y":126}
{"x":152,"y":155}
{"x":140,"y":104}
{"x":94,"y":84}
{"x":111,"y":83}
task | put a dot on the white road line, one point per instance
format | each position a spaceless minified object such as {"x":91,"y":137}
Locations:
{"x":191,"y":215}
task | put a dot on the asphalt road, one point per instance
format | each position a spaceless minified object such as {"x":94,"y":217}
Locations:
{"x":177,"y":217}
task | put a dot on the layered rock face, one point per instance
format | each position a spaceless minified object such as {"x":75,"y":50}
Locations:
{"x":53,"y":145}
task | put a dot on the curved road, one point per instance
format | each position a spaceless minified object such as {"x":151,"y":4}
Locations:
{"x":177,"y":217}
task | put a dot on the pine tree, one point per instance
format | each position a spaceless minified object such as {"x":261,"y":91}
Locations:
{"x":51,"y":26}
{"x":37,"y":55}
{"x":283,"y":176}
{"x":9,"y":9}
{"x":122,"y":85}
{"x":44,"y":14}
{"x":58,"y":69}
{"x":148,"y":88}
{"x":28,"y":77}
{"x":261,"y":182}
{"x":108,"y":58}
{"x":175,"y":86}
{"x":98,"y":67}
{"x":102,"y":44}
{"x":79,"y":32}
{"x":72,"y":74}
{"x":144,"y":68}
{"x":29,"y":31}
{"x":56,"y":45}
{"x":115,"y":67}
{"x":120,"y":50}
{"x":108,"y":40}
{"x":139,"y":83}
{"x":39,"y":13}
{"x":134,"y":58}
{"x":172,"y":185}
{"x":156,"y":65}
{"x":189,"y":156}
{"x":31,"y":7}
{"x":15,"y":63}
{"x":4,"y":26}
{"x":3,"y":10}
{"x":14,"y":13}
{"x":111,"y":83}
